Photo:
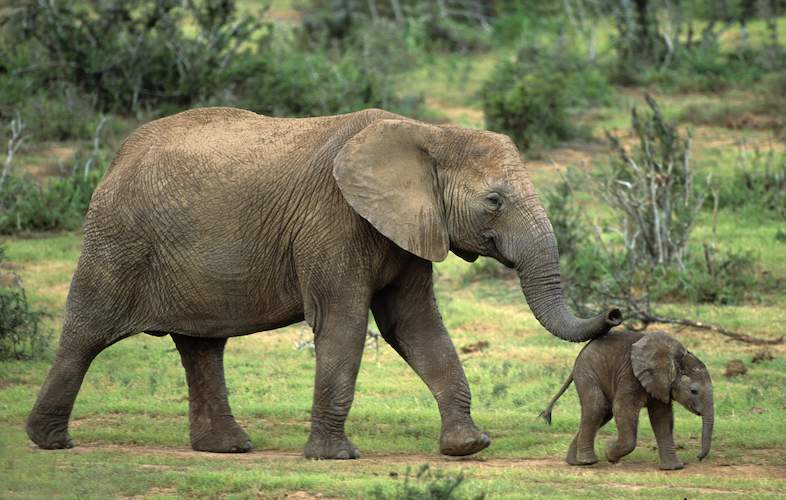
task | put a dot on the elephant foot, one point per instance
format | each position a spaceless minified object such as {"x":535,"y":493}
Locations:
{"x":229,"y":438}
{"x":462,"y":440}
{"x":615,"y":451}
{"x":49,"y":432}
{"x":586,"y":458}
{"x":675,"y":464}
{"x":330,"y":448}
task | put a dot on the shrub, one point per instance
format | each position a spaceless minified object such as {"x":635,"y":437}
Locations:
{"x":454,"y":25}
{"x":130,"y":54}
{"x":60,"y":203}
{"x":565,"y":215}
{"x":653,"y":190}
{"x":645,"y":255}
{"x":424,"y":484}
{"x":21,"y":334}
{"x":758,"y":179}
{"x":57,"y":203}
{"x":280,"y":80}
{"x":533,"y":98}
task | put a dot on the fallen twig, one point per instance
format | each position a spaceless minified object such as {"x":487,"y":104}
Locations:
{"x":739,"y":337}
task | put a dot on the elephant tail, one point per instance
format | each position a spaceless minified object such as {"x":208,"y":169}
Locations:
{"x":546,"y":414}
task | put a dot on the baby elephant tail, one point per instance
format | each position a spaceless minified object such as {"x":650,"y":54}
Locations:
{"x":546,"y":414}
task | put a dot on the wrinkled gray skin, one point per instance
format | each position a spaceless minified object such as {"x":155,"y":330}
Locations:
{"x":219,"y":222}
{"x":623,"y":372}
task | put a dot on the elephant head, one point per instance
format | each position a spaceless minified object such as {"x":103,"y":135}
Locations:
{"x":668,"y":371}
{"x":431,"y":189}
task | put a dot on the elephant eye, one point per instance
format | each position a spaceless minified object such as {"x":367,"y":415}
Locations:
{"x":694,"y":391}
{"x":494,"y":200}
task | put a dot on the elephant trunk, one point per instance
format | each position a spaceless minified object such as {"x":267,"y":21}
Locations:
{"x":538,"y":269}
{"x":708,"y":420}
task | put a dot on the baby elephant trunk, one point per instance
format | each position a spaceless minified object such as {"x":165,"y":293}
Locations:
{"x":708,"y":420}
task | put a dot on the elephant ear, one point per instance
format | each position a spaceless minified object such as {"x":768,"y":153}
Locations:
{"x":654,"y":359}
{"x":387,"y":175}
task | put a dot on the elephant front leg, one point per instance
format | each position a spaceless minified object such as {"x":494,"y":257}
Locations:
{"x":662,"y":420}
{"x":339,"y":340}
{"x":213,"y":428}
{"x":407,"y":316}
{"x":626,"y":416}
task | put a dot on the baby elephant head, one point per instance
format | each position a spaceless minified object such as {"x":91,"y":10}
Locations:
{"x":668,"y":371}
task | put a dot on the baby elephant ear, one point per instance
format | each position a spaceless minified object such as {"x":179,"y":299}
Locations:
{"x":654,"y":359}
{"x":387,"y":175}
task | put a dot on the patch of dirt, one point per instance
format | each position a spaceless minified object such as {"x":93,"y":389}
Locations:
{"x":581,"y":156}
{"x":753,"y":121}
{"x":290,"y":16}
{"x":734,"y":368}
{"x":476,"y":347}
{"x":457,"y":114}
{"x":49,"y":161}
{"x":706,"y":468}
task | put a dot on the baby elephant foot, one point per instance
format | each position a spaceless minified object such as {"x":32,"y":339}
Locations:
{"x":615,"y":450}
{"x":584,"y":458}
{"x":49,"y":432}
{"x":674,"y":464}
{"x":462,"y":439}
{"x":325,"y":447}
{"x":228,"y":438}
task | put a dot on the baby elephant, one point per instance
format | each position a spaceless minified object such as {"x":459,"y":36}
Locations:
{"x":619,"y":374}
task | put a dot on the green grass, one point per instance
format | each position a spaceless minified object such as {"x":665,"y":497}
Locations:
{"x":135,"y":398}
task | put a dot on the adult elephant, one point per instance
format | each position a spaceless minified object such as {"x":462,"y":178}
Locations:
{"x":220,"y":222}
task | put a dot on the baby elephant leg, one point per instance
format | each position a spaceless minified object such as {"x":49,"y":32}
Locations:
{"x":213,"y":428}
{"x":662,"y":420}
{"x":626,"y":416}
{"x":595,"y":412}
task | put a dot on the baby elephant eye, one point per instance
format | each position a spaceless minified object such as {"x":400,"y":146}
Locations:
{"x":494,"y":200}
{"x":694,"y":391}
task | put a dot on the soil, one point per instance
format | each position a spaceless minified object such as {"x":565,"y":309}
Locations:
{"x":707,"y":468}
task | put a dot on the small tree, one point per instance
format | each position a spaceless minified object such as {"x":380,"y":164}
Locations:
{"x":653,"y":190}
{"x":654,"y":202}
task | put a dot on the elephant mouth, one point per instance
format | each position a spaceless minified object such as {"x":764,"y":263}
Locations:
{"x":493,"y":251}
{"x":464,"y":254}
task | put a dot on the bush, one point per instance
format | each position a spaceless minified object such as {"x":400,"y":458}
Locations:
{"x":423,"y":485}
{"x":758,"y":179}
{"x":448,"y":25}
{"x":653,"y":191}
{"x":645,"y":255}
{"x":21,"y":334}
{"x":132,"y":54}
{"x":60,"y":203}
{"x":280,"y":80}
{"x":57,"y":203}
{"x":532,"y":99}
{"x":702,"y":68}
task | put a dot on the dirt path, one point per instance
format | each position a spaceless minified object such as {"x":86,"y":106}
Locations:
{"x":707,"y":468}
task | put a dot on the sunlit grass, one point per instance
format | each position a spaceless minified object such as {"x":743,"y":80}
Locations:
{"x":135,"y":395}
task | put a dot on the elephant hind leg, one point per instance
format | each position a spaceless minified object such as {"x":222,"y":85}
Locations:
{"x":47,"y":424}
{"x":595,"y":413}
{"x":213,"y":428}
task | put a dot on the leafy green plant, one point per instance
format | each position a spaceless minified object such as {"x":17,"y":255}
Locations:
{"x":425,"y":485}
{"x":653,"y":191}
{"x":758,"y":179}
{"x":280,"y":80}
{"x":56,"y":203}
{"x":644,"y":254}
{"x":133,"y":54}
{"x":21,"y":332}
{"x":533,"y":98}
